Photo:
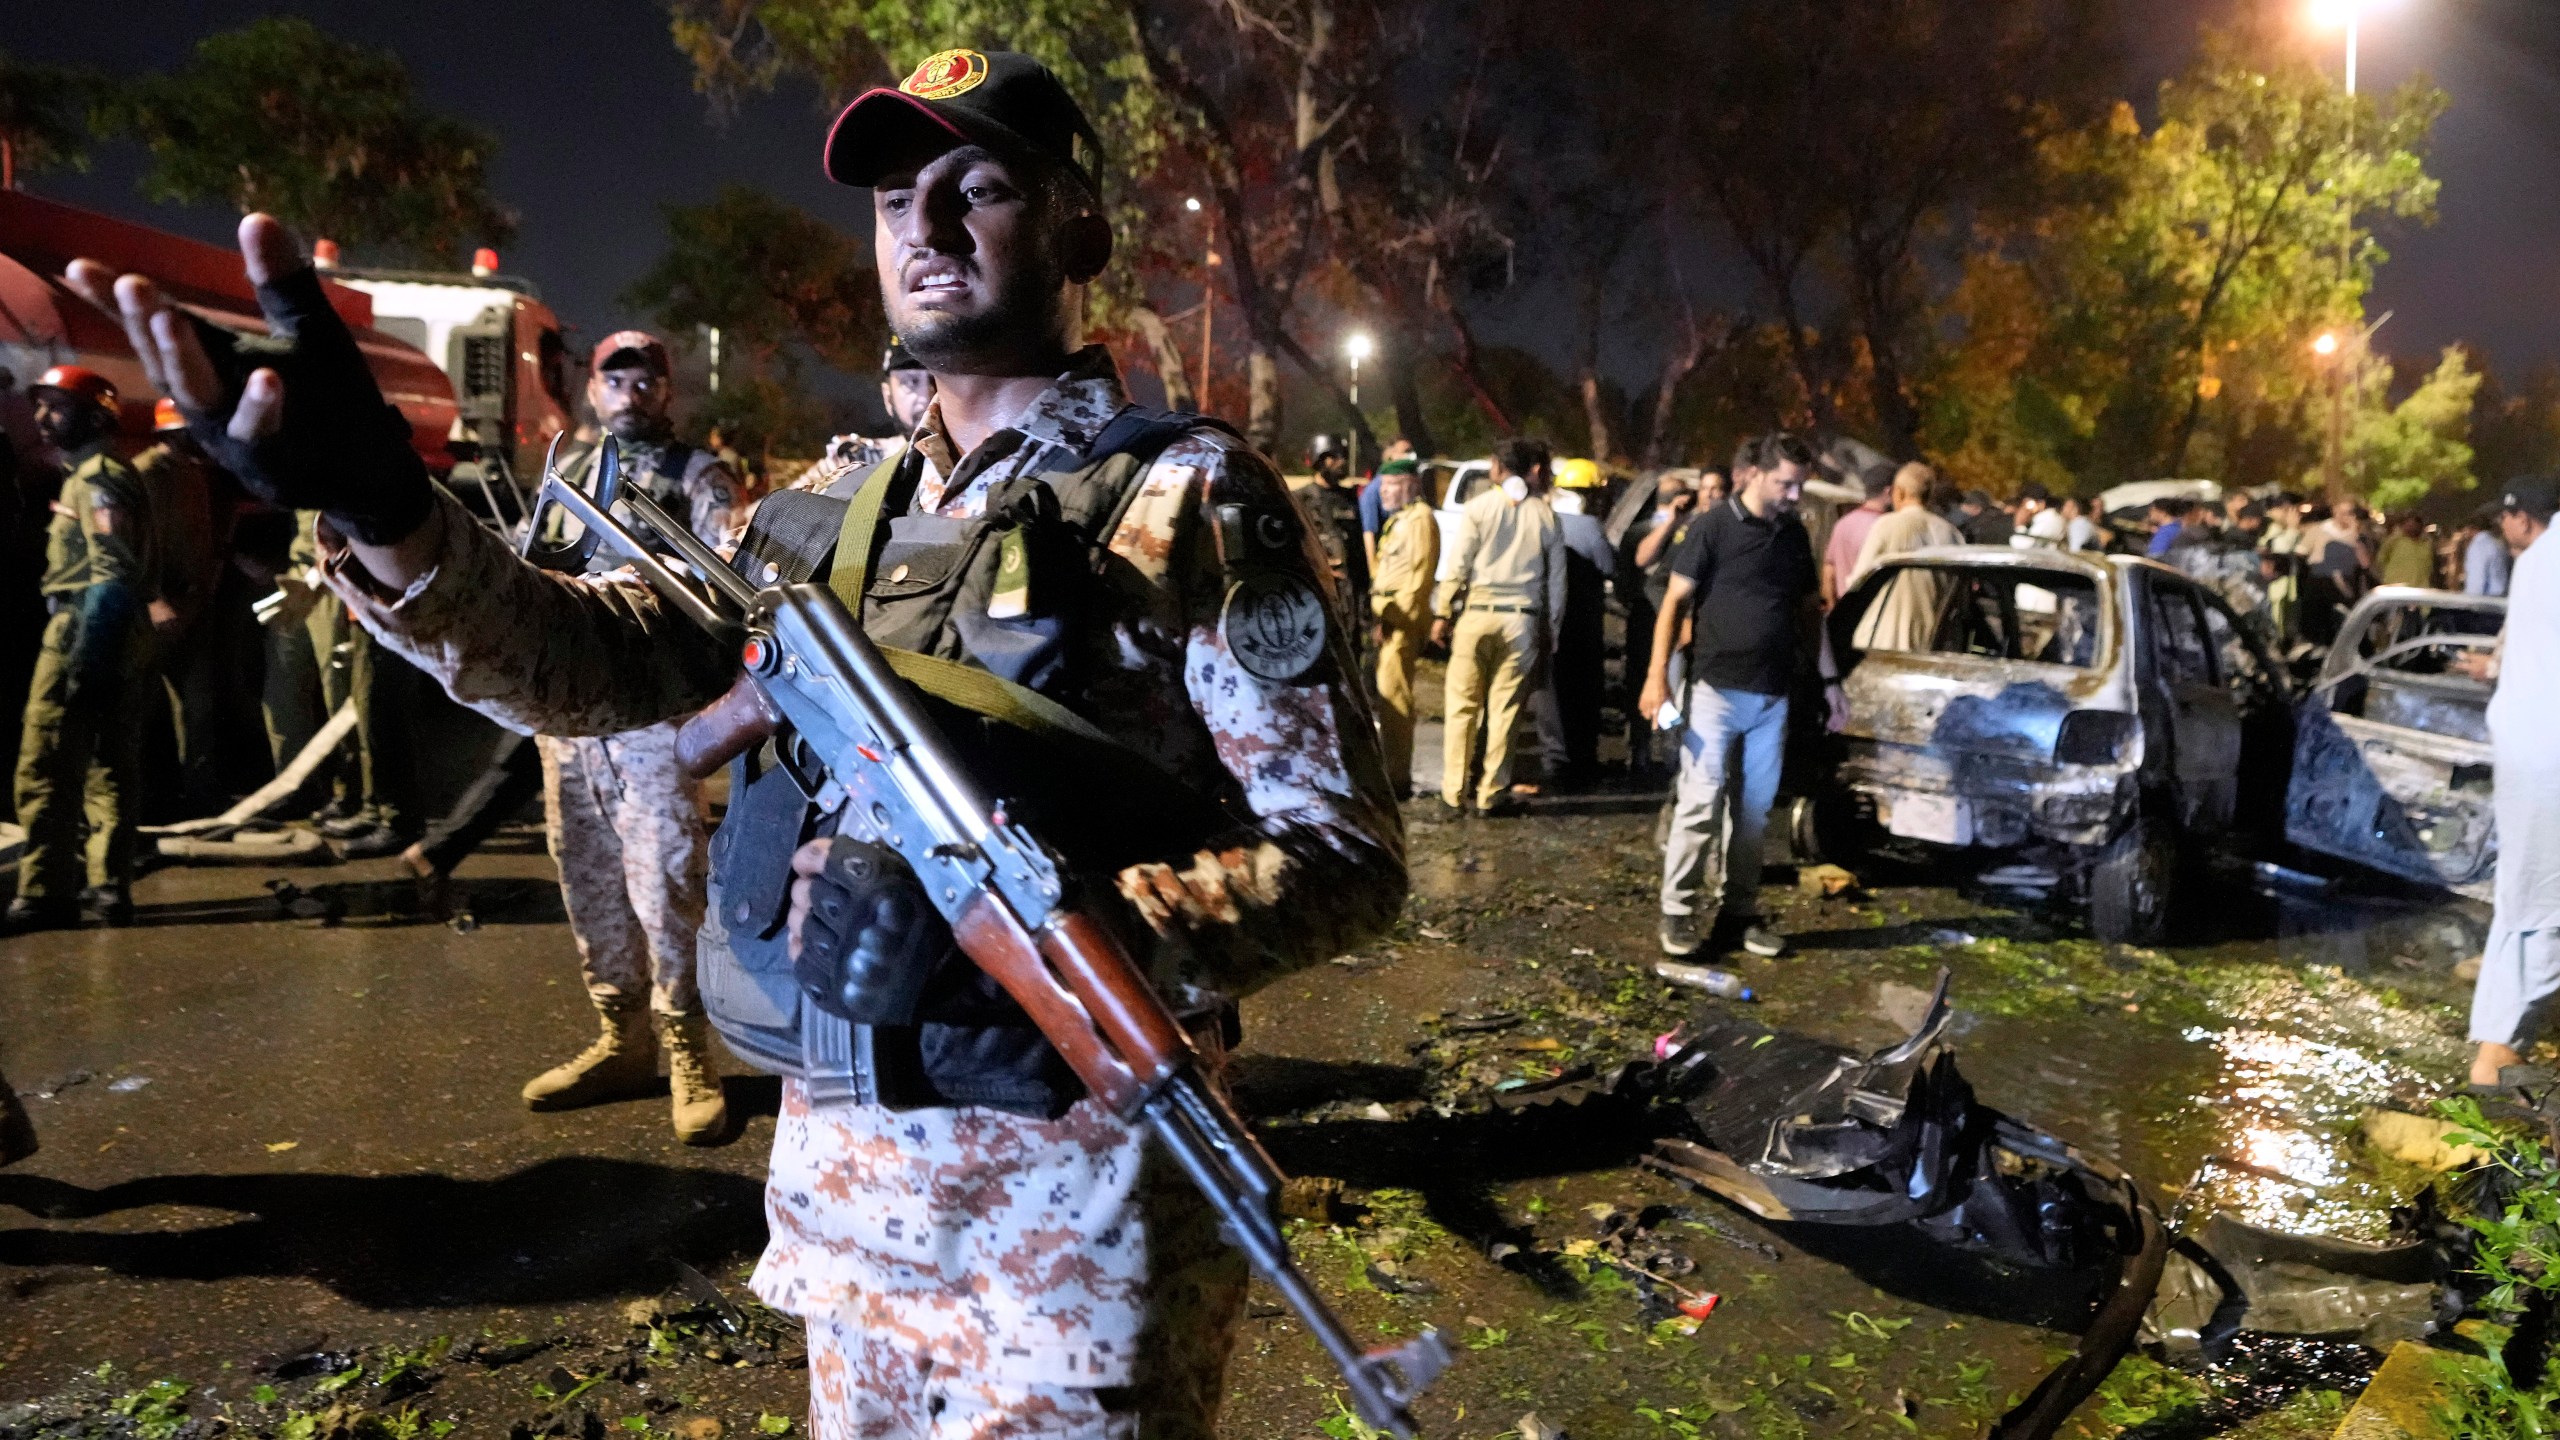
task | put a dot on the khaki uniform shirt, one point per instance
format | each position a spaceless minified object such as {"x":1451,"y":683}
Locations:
{"x":1510,"y":557}
{"x":101,"y":528}
{"x":996,"y":1244}
{"x":1408,"y":558}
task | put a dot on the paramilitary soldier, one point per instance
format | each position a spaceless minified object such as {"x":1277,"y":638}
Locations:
{"x":81,"y":751}
{"x":626,"y":822}
{"x":977,"y":1249}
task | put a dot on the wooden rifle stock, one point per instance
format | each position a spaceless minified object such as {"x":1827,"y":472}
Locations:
{"x":1080,"y":986}
{"x":727,"y":728}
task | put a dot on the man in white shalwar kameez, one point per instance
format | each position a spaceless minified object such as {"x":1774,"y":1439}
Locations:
{"x":2520,"y":970}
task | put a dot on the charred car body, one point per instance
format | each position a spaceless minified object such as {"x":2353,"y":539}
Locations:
{"x":2391,"y":764}
{"x":2106,"y":715}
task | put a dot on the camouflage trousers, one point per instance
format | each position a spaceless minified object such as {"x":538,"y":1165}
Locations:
{"x":626,"y":829}
{"x":866,"y":1385}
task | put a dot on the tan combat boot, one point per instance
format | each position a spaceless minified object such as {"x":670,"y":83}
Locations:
{"x":621,"y":1065}
{"x":701,"y":1110}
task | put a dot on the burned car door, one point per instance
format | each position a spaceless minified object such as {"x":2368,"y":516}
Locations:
{"x":2262,"y":693}
{"x":1962,"y":677}
{"x":2391,"y":748}
{"x":2204,"y":721}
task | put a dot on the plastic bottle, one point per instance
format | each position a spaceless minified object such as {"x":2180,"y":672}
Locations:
{"x":1723,"y":984}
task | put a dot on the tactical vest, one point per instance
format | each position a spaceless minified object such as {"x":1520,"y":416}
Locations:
{"x":1009,"y":593}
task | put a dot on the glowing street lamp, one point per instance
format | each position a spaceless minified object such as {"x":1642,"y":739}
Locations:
{"x":1356,"y":347}
{"x":2326,"y":345}
{"x":2347,"y":15}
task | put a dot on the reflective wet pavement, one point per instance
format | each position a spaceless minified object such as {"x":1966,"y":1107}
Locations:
{"x":326,"y":1139}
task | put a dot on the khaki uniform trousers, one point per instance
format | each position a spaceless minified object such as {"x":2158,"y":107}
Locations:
{"x":81,"y":757}
{"x":626,"y":829}
{"x":1398,"y":653}
{"x":1492,"y":654}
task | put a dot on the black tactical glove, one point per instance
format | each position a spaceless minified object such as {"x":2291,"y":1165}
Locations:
{"x":341,"y":448}
{"x":872,"y":939}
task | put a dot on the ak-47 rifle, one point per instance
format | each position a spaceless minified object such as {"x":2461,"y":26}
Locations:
{"x":856,"y":736}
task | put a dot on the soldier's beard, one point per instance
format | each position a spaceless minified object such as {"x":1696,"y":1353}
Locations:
{"x":1024,"y":318}
{"x":634,"y":427}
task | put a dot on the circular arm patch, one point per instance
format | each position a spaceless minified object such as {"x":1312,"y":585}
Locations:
{"x":1274,"y":625}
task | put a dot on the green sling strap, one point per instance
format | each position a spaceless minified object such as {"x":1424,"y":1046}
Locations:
{"x":966,"y":686}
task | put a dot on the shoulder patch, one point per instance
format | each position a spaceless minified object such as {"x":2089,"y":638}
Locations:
{"x":1274,"y":625}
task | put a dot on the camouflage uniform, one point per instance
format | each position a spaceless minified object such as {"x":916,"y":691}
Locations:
{"x":81,"y":750}
{"x":626,"y":828}
{"x":992,"y":1259}
{"x":625,"y":823}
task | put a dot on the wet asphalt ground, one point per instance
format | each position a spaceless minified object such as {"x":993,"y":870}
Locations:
{"x":286,"y":1171}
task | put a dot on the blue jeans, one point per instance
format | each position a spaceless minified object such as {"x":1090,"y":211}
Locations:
{"x":1730,"y":756}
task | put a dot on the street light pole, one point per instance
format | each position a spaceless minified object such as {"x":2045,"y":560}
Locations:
{"x":1208,"y":298}
{"x":1356,"y":348}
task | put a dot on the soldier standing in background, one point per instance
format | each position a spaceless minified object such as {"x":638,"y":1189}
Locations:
{"x":1408,"y":559}
{"x":906,"y":388}
{"x":626,"y":823}
{"x":81,"y":749}
{"x":1333,"y":509}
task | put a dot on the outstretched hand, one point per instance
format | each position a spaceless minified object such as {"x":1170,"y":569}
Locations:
{"x":294,"y":414}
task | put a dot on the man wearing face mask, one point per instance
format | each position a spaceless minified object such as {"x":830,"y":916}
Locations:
{"x":1497,"y":609}
{"x":977,"y":1247}
{"x":626,"y":824}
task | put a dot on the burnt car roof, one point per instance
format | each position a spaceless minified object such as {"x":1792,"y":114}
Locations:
{"x":2068,"y":561}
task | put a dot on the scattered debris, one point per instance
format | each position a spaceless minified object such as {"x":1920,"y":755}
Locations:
{"x":2417,"y":1139}
{"x":1478,"y":1024}
{"x":1431,"y":933}
{"x":1533,"y":1428}
{"x":300,"y":904}
{"x":1723,"y":984}
{"x":278,"y":1147}
{"x":1823,"y":881}
{"x":2468,"y":970}
{"x":2271,"y":878}
{"x":48,"y":1089}
{"x":129,"y":1084}
{"x":1951,"y":938}
{"x":1318,"y":1198}
{"x":2021,"y":878}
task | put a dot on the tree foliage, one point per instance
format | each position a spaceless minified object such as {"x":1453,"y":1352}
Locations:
{"x":323,"y":133}
{"x":44,"y":115}
{"x":2155,"y":318}
{"x":781,"y":286}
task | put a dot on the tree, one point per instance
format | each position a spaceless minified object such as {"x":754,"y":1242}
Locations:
{"x":2155,"y":317}
{"x":325,"y":134}
{"x":1274,"y":113}
{"x":2398,"y":455}
{"x":2517,"y":433}
{"x":44,"y":115}
{"x":779,"y":284}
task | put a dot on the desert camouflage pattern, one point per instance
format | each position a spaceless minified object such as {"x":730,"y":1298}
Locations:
{"x":1046,"y":1254}
{"x":627,"y":830}
{"x":1014,"y":1250}
{"x":706,"y":493}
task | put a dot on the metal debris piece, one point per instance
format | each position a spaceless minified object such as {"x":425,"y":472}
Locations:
{"x":48,"y":1089}
{"x":129,"y":1084}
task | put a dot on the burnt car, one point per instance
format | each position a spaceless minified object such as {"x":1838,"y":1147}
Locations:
{"x":2105,"y":717}
{"x":2391,"y":745}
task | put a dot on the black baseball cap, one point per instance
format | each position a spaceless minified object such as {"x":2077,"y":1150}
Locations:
{"x":897,"y":358}
{"x":2534,"y":495}
{"x":996,"y":98}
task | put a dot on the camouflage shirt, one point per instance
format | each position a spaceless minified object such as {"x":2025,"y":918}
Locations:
{"x":704,"y":491}
{"x":1001,"y":1244}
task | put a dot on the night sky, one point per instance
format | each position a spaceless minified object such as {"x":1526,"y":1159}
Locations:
{"x":599,"y":126}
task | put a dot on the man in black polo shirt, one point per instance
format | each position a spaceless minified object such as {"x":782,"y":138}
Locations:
{"x":1747,"y":570}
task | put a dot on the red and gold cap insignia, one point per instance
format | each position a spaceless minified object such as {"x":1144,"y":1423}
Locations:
{"x":952,"y":72}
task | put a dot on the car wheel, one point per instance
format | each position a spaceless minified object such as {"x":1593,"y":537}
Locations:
{"x":2132,"y":879}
